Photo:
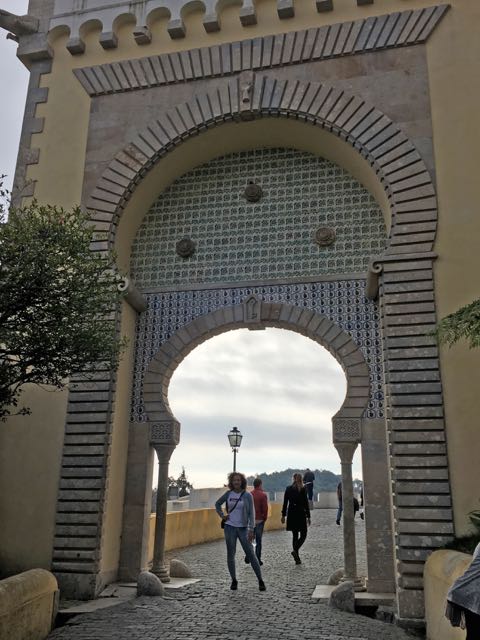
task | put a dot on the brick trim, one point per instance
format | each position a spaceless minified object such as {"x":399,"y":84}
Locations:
{"x":280,"y":315}
{"x":387,"y":31}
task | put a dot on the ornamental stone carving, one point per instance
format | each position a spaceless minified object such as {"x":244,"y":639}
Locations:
{"x":252,"y":307}
{"x":167,"y":432}
{"x":325,"y":236}
{"x":253,"y":192}
{"x":185,"y":247}
{"x":346,"y":430}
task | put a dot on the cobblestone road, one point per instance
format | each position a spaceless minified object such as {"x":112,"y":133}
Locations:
{"x":208,"y":610}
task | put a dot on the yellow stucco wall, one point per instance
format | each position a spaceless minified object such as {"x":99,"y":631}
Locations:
{"x":30,"y":458}
{"x":196,"y":526}
{"x":453,"y":55}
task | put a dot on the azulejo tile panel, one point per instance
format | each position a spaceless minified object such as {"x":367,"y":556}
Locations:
{"x":342,"y":301}
{"x":273,"y":238}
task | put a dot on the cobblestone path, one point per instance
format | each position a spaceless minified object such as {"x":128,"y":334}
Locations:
{"x":208,"y":610}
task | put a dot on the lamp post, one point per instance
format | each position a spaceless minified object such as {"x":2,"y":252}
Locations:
{"x":235,"y":439}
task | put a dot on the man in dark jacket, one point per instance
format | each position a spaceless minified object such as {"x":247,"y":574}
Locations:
{"x":308,"y":480}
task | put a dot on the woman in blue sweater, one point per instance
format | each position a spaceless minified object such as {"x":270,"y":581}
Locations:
{"x":239,"y":523}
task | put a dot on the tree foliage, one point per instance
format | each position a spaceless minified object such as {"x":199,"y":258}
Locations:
{"x":464,"y":323}
{"x":181,"y":483}
{"x":56,"y":300}
{"x":277,"y":481}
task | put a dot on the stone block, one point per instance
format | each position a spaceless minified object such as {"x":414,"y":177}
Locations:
{"x":148,"y":584}
{"x":335,"y":578}
{"x":142,"y":35}
{"x":248,"y":16}
{"x":108,"y":40}
{"x":343,"y":597}
{"x":285,"y":9}
{"x":176,"y":29}
{"x":179,"y":569}
{"x":324,"y":5}
{"x":211,"y":23}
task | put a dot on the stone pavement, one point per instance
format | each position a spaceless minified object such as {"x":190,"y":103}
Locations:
{"x":210,"y":611}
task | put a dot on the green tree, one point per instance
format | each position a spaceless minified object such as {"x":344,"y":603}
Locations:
{"x":56,"y":300}
{"x":464,"y":323}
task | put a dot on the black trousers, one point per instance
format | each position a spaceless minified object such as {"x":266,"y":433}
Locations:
{"x":298,"y":538}
{"x":472,"y":622}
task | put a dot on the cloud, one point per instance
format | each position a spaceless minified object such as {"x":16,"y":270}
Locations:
{"x":278,"y":387}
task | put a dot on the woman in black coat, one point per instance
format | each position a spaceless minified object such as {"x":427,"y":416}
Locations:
{"x":297,"y":511}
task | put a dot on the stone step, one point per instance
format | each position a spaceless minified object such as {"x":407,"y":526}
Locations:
{"x":322,"y":593}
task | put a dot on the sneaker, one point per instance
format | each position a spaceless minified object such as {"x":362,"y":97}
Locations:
{"x":338,"y":522}
{"x":260,"y":563}
{"x":247,"y":561}
{"x":296,"y":557}
{"x":234,"y":585}
{"x":261,"y":586}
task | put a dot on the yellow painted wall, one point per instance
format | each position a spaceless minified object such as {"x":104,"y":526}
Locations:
{"x":196,"y":526}
{"x":441,"y":570}
{"x":119,"y":447}
{"x":453,"y":59}
{"x":30,"y":458}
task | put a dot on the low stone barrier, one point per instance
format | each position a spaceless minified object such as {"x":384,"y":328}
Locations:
{"x":28,"y":605}
{"x":441,"y":570}
{"x":196,"y":526}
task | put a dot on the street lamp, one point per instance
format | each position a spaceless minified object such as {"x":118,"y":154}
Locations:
{"x":235,"y":439}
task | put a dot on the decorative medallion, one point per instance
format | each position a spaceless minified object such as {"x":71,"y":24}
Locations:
{"x":325,"y":236}
{"x":185,"y":247}
{"x":253,"y":192}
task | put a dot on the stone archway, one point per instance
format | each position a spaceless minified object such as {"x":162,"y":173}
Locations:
{"x":164,"y":429}
{"x":403,"y":274}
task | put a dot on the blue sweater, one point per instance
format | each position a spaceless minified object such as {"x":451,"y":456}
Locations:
{"x":248,"y":508}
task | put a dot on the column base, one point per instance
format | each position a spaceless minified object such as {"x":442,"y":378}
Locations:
{"x":162,"y":573}
{"x":359,"y":583}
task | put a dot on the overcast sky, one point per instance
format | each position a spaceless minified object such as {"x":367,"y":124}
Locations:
{"x":14,"y":80}
{"x":279,"y":388}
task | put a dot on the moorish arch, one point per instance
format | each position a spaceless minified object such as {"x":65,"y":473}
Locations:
{"x":255,"y":314}
{"x":392,"y":156}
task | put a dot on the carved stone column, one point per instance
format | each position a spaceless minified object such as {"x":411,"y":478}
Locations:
{"x":164,"y":438}
{"x":346,"y":436}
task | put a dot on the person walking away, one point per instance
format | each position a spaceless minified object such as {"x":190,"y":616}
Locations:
{"x":308,"y":480}
{"x":340,"y":503}
{"x":297,"y":511}
{"x":463,"y":599}
{"x":238,"y":523}
{"x":260,"y":500}
{"x":356,"y":505}
{"x":362,"y":505}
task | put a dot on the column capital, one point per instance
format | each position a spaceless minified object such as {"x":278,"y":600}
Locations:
{"x":346,"y":451}
{"x":164,"y":451}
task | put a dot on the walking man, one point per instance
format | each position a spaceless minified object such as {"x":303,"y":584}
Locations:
{"x":308,"y":480}
{"x":260,"y":500}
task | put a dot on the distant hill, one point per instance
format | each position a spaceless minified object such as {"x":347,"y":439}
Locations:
{"x":278,"y":480}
